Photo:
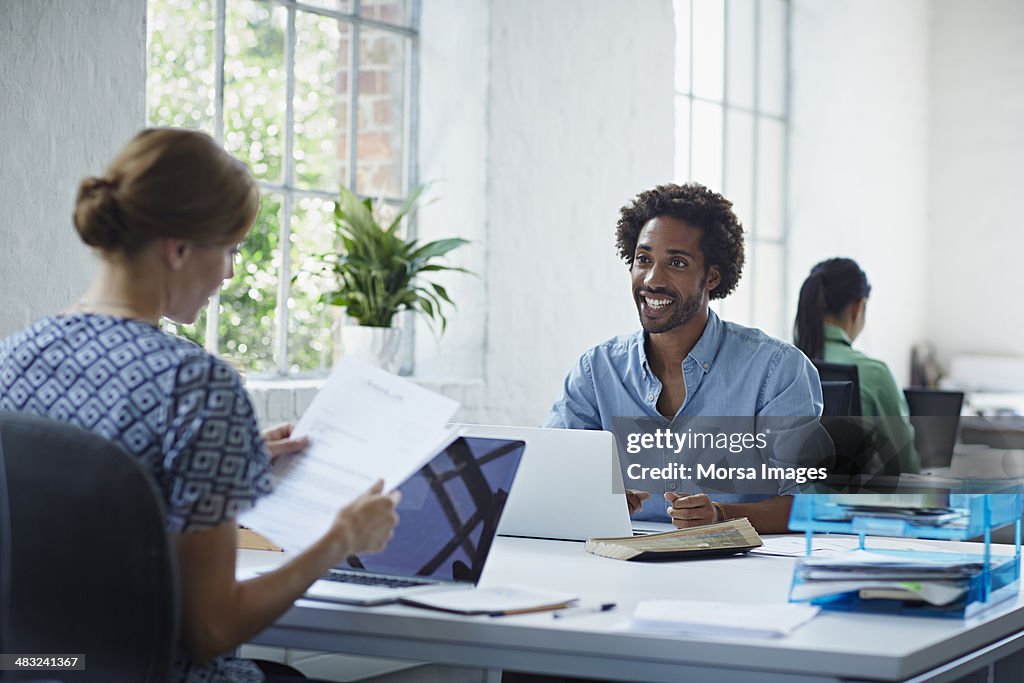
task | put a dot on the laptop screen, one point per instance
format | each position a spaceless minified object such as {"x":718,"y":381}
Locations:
{"x":449,"y":512}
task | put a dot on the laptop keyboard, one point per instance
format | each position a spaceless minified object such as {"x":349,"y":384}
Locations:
{"x":372,"y":580}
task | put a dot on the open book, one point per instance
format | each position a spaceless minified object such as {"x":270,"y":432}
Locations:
{"x":725,"y":538}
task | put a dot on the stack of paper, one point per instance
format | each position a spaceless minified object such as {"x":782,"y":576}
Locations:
{"x":939,"y":579}
{"x":720,"y":618}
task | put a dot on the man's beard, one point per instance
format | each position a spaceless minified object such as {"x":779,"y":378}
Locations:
{"x":685,"y":310}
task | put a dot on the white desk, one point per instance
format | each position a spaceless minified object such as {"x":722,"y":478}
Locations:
{"x":833,"y":647}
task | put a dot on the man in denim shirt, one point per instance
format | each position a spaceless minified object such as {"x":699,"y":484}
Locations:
{"x":684,"y":247}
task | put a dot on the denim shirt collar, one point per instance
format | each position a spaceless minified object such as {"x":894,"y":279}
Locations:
{"x":703,"y":352}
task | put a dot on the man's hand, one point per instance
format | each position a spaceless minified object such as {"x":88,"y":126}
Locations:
{"x":280,"y":442}
{"x":687,"y":511}
{"x":635,"y":499}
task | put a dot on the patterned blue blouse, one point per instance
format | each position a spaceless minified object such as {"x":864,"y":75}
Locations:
{"x":182,"y":412}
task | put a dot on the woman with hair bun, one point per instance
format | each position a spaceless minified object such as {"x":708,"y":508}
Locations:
{"x":166,"y":220}
{"x":830,"y":316}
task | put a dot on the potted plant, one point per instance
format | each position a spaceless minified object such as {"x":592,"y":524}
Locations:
{"x":378,"y":274}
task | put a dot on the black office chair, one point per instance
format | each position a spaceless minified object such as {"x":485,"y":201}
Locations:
{"x":857,"y":449}
{"x":88,"y":566}
{"x":837,"y":398}
{"x":840,"y":372}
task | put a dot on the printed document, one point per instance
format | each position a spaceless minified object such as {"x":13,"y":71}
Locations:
{"x":364,"y":425}
{"x":720,"y":618}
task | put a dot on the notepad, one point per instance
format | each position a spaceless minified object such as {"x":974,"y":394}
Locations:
{"x":720,"y":618}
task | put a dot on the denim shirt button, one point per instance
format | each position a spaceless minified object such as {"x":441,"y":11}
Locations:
{"x":650,"y":397}
{"x":706,"y":366}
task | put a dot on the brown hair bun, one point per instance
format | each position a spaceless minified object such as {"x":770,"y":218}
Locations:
{"x":167,"y":183}
{"x":97,"y":217}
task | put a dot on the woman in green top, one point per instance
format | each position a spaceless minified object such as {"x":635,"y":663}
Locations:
{"x":830,"y":315}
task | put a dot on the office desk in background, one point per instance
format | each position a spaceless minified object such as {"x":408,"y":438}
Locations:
{"x":833,"y":647}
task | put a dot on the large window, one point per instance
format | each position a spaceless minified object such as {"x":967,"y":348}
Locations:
{"x":311,"y":95}
{"x":732,"y":123}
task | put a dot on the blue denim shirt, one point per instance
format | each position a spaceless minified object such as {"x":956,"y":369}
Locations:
{"x":731,"y":371}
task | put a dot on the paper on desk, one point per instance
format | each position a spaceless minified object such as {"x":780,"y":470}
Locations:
{"x":363,"y":425}
{"x":866,"y":558}
{"x":796,"y":546}
{"x":720,"y":618}
{"x":937,"y":593}
{"x":833,"y":545}
{"x":492,"y":600}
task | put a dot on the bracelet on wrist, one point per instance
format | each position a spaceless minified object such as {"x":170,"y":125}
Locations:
{"x":719,"y":512}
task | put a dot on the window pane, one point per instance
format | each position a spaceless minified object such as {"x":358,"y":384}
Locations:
{"x":309,"y":322}
{"x":708,"y":48}
{"x":247,"y":302}
{"x":769,"y":297}
{"x":739,"y":164}
{"x":321,"y":102}
{"x":741,"y":22}
{"x":254,"y":86}
{"x":707,"y":145}
{"x":682,"y":13}
{"x":196,"y":331}
{"x":381,"y":142}
{"x":336,"y":5}
{"x":772,"y":61}
{"x":682,"y":161}
{"x":180,"y":68}
{"x":771,"y":140}
{"x":390,"y":11}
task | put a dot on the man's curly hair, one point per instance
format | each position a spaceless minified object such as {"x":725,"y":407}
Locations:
{"x":722,"y":235}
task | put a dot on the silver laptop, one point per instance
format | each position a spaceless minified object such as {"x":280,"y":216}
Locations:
{"x":449,"y":513}
{"x":569,"y":485}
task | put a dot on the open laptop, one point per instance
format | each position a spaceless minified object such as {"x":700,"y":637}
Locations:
{"x":935,"y":416}
{"x":449,"y":516}
{"x":566,"y":486}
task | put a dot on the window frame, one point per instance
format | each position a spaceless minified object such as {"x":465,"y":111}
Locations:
{"x":753,"y":234}
{"x":287,"y":188}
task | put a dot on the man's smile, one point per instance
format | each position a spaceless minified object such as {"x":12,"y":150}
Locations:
{"x":654,"y":305}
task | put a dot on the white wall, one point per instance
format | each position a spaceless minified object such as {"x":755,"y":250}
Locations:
{"x":72,"y":75}
{"x":859,"y":152}
{"x":454,"y":62}
{"x":976,"y":177}
{"x":578,"y":120}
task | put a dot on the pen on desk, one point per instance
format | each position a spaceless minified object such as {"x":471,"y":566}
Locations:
{"x":572,"y":611}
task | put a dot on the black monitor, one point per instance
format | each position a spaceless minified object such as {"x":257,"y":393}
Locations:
{"x":935,"y":416}
{"x":841,"y":372}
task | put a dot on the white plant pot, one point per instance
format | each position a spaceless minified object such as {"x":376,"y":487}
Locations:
{"x":375,"y":345}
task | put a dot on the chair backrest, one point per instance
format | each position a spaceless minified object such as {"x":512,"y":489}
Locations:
{"x":838,"y":398}
{"x":841,"y":372}
{"x":91,"y":568}
{"x":935,"y":415}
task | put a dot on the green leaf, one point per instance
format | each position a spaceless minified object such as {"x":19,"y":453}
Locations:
{"x":438,"y":248}
{"x":442,"y":292}
{"x":408,"y":205}
{"x":375,"y":270}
